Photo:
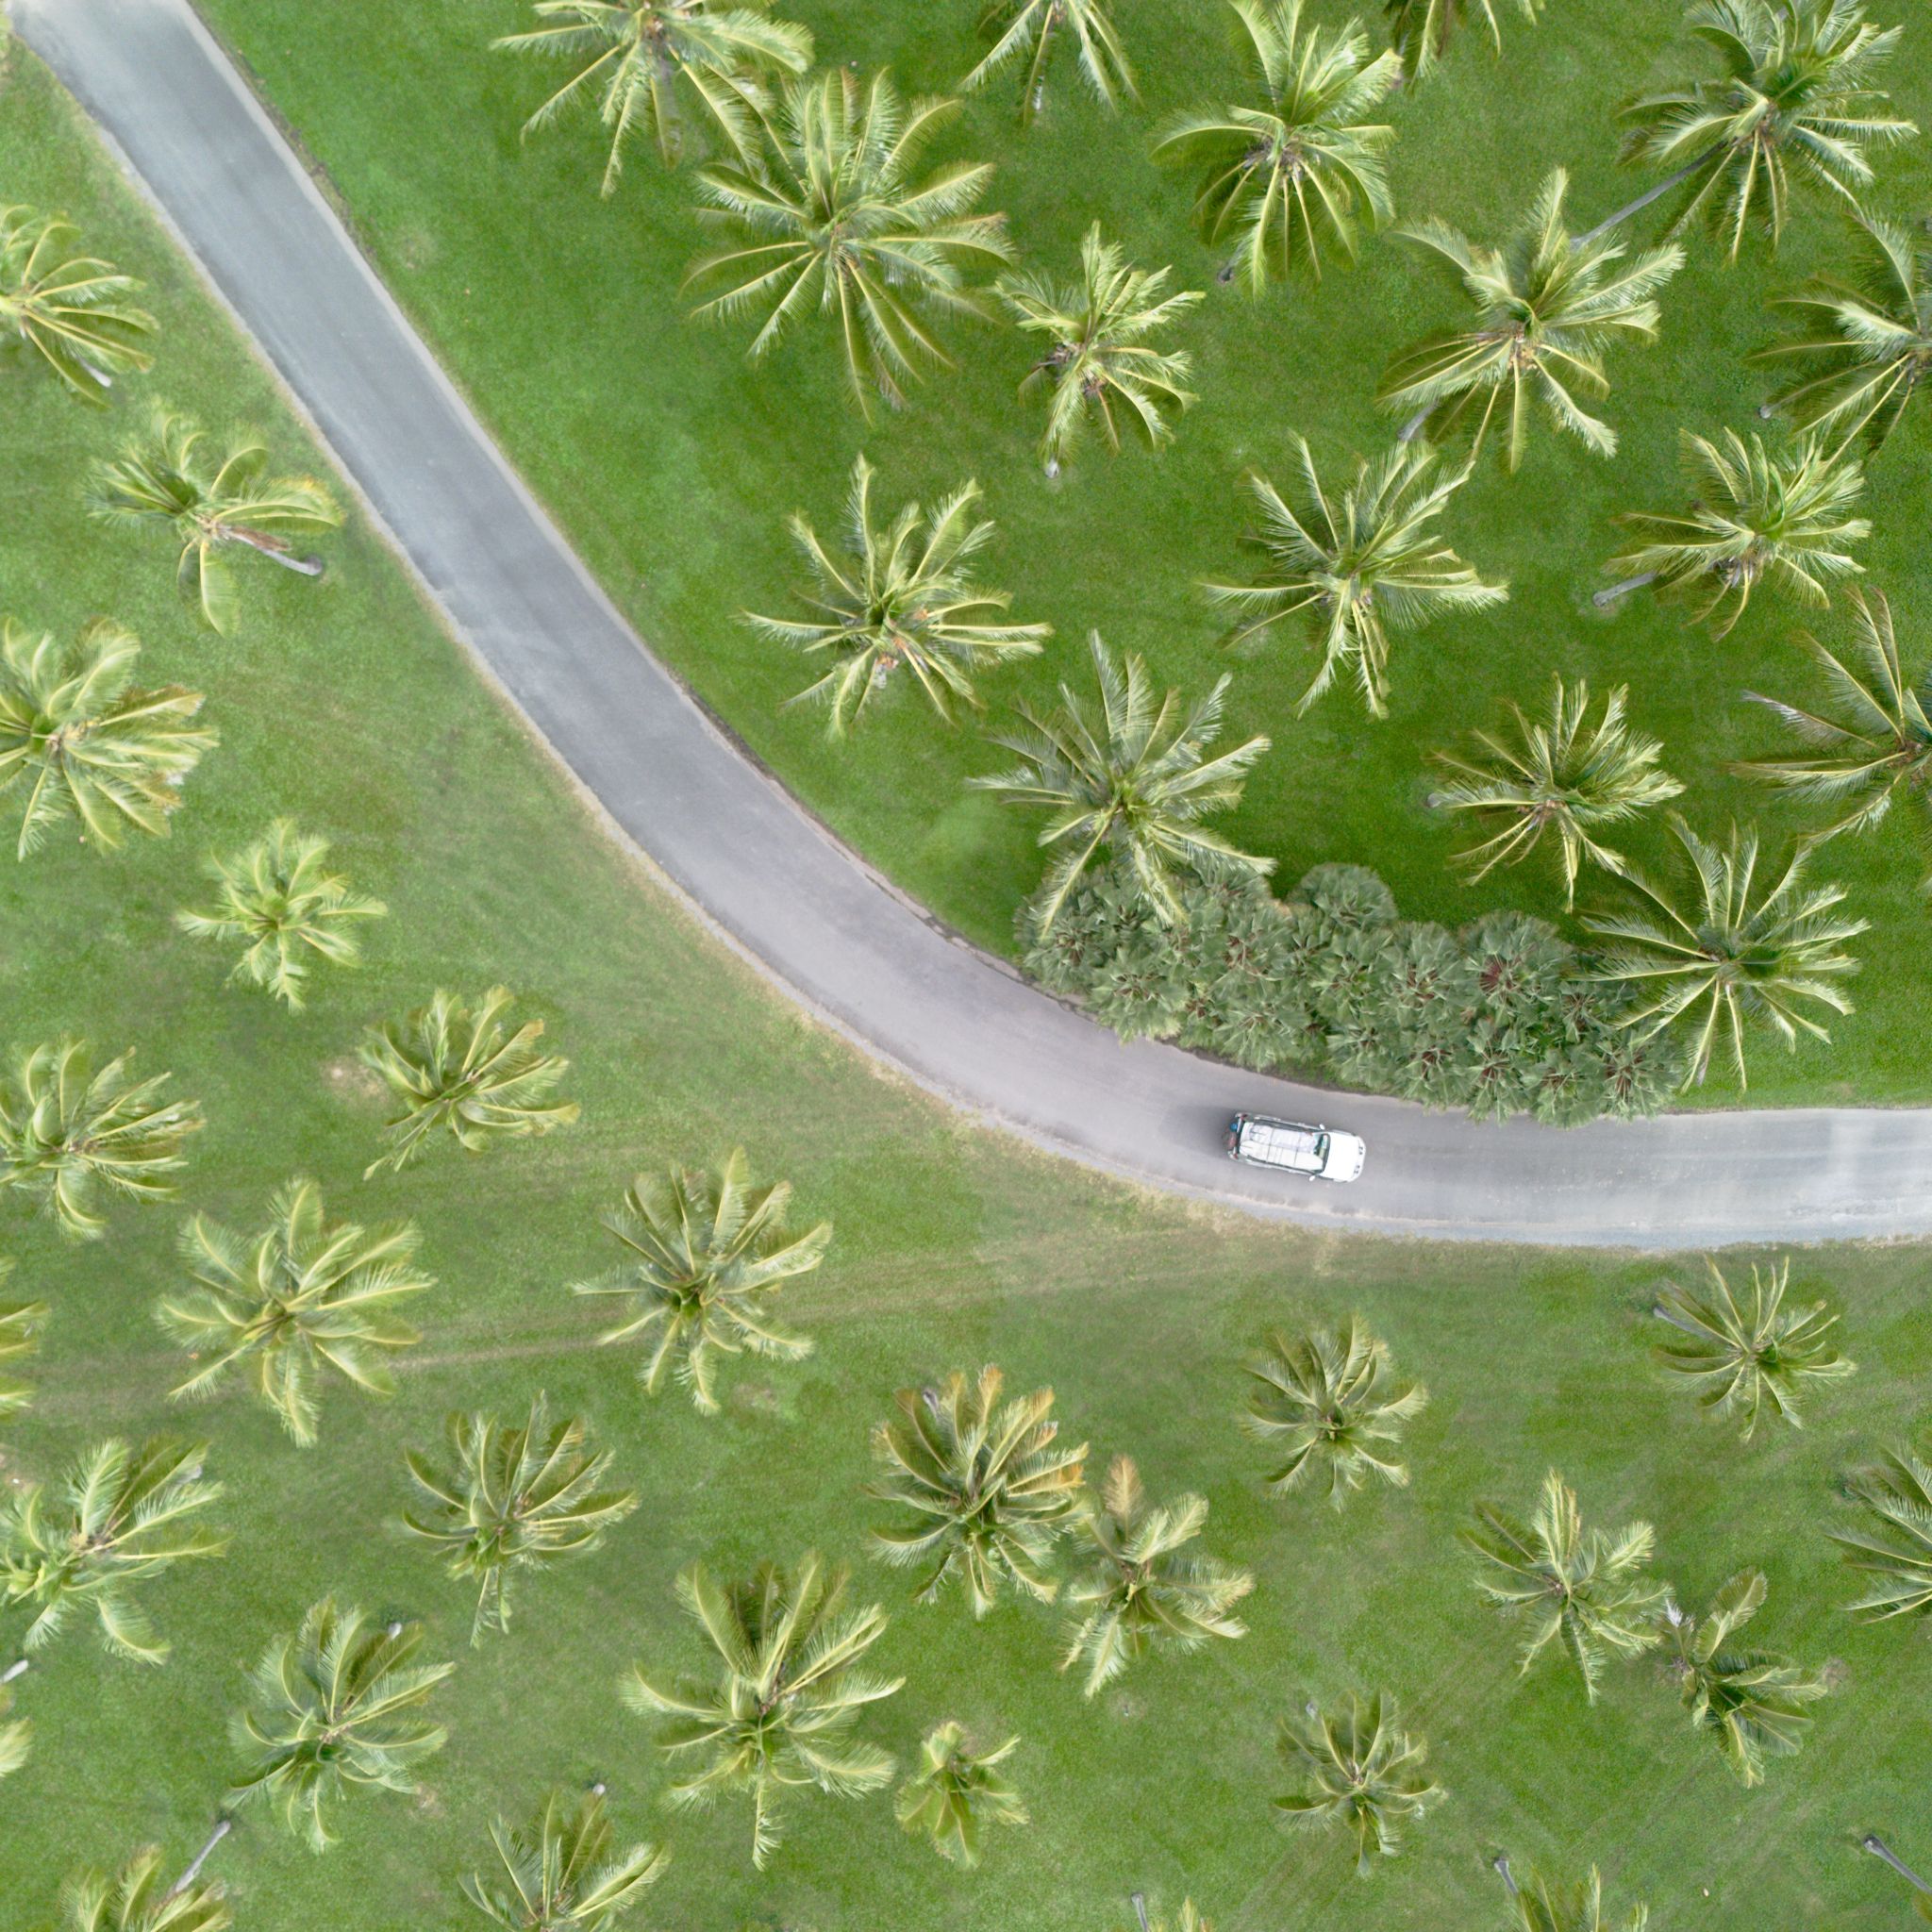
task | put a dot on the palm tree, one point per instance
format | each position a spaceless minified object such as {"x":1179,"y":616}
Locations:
{"x":1356,"y":1769}
{"x":1727,"y":954}
{"x":1547,"y":309}
{"x":1101,"y":365}
{"x":1793,"y":103}
{"x":1133,"y":783}
{"x":1144,"y":1589}
{"x":781,"y":1712}
{"x":335,"y":1706}
{"x":989,"y":1487}
{"x":1782,"y":517}
{"x":455,"y":1066}
{"x":1922,"y":1899}
{"x":645,"y":55}
{"x":1281,"y":176}
{"x":1360,"y":568}
{"x":67,"y":1131}
{"x":513,"y":1496}
{"x":1544,"y":1904}
{"x":19,"y":1335}
{"x":907,"y":600}
{"x":559,"y":1873}
{"x":1590,"y":1593}
{"x":77,"y":742}
{"x":1333,"y":1405}
{"x":1898,"y":1551}
{"x":1035,"y":30}
{"x":1743,"y":1362}
{"x":834,"y":220}
{"x":1750,"y":1703}
{"x":276,"y":898}
{"x":121,"y":1517}
{"x":956,"y":1790}
{"x":1877,"y":746}
{"x":1865,"y":341}
{"x":298,"y":1300}
{"x":163,"y":477}
{"x":72,"y":312}
{"x":709,"y":1254}
{"x":1421,"y":30}
{"x":138,"y":1899}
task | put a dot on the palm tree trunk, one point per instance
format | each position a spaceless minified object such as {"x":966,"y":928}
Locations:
{"x":276,"y":552}
{"x":1875,"y":1844}
{"x":1501,"y":1861}
{"x":1413,"y":427}
{"x":1140,"y":1904}
{"x":1645,"y":200}
{"x":1603,"y":599}
{"x":15,"y":1670}
{"x":222,"y":1828}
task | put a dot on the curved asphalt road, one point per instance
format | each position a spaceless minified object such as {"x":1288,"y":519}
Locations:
{"x":812,"y":915}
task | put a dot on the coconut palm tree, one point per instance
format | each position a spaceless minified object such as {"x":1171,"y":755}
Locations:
{"x":1559,"y":777}
{"x":336,"y":1707}
{"x":1751,"y":1703}
{"x":956,"y":1790}
{"x":1101,"y":366}
{"x":1279,"y":179}
{"x":1034,"y":31}
{"x":1548,"y":307}
{"x":834,"y":220}
{"x":987,"y":1485}
{"x":1131,"y":783}
{"x":652,"y":63}
{"x":68,"y":1132}
{"x":1877,"y":745}
{"x":559,"y":1873}
{"x":19,"y":1335}
{"x":300,"y":1299}
{"x":1421,"y":30}
{"x":1356,"y":1769}
{"x":781,"y":1712}
{"x":70,"y":311}
{"x":513,"y":1496}
{"x":1144,"y":1589}
{"x":1727,"y":953}
{"x":1864,"y":342}
{"x":709,"y":1254}
{"x":1545,"y":1905}
{"x":76,"y":742}
{"x":1331,"y":1404}
{"x":1743,"y":1362}
{"x":1898,"y":1551}
{"x":905,"y":599}
{"x":278,"y":901}
{"x":138,"y":1898}
{"x":121,"y":1516}
{"x":1359,"y":567}
{"x":1590,"y":1593}
{"x":456,"y":1067}
{"x":1795,"y":104}
{"x":1780,"y":517}
{"x":210,"y":506}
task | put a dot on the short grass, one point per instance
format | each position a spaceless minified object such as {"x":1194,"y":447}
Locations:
{"x":673,"y":464}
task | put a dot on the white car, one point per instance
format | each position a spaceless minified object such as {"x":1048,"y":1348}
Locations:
{"x":1318,"y":1154}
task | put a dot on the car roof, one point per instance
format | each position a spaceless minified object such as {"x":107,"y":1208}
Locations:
{"x":1282,"y":1144}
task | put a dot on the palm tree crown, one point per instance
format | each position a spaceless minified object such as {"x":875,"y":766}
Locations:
{"x":1133,"y":781}
{"x":1590,"y":1593}
{"x":138,"y":1898}
{"x":72,"y":312}
{"x":781,"y":1712}
{"x":121,"y":1516}
{"x":19,"y":1335}
{"x":1545,"y":1905}
{"x":1359,"y":567}
{"x":513,"y":1496}
{"x":300,"y":1299}
{"x":1034,"y":31}
{"x":1557,"y":777}
{"x":900,"y":598}
{"x":1794,"y":101}
{"x":709,"y":1254}
{"x":1897,"y":1551}
{"x":1282,"y":176}
{"x":1357,"y":1768}
{"x":1729,"y":953}
{"x":989,"y":1487}
{"x":560,"y":1875}
{"x":1101,"y":366}
{"x":644,"y":56}
{"x":955,"y":1791}
{"x":834,"y":220}
{"x":76,"y":742}
{"x":1421,"y":30}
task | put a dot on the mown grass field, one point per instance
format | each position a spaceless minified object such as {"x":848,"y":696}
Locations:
{"x":673,"y":464}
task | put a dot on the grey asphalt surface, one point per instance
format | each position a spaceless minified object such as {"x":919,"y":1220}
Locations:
{"x":773,"y":880}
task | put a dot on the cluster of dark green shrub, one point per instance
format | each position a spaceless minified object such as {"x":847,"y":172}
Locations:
{"x":1499,"y":1018}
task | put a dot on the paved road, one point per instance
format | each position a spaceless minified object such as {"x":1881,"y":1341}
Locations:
{"x":788,"y":894}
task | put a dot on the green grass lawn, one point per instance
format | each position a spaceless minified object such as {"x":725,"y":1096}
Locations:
{"x":673,"y":464}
